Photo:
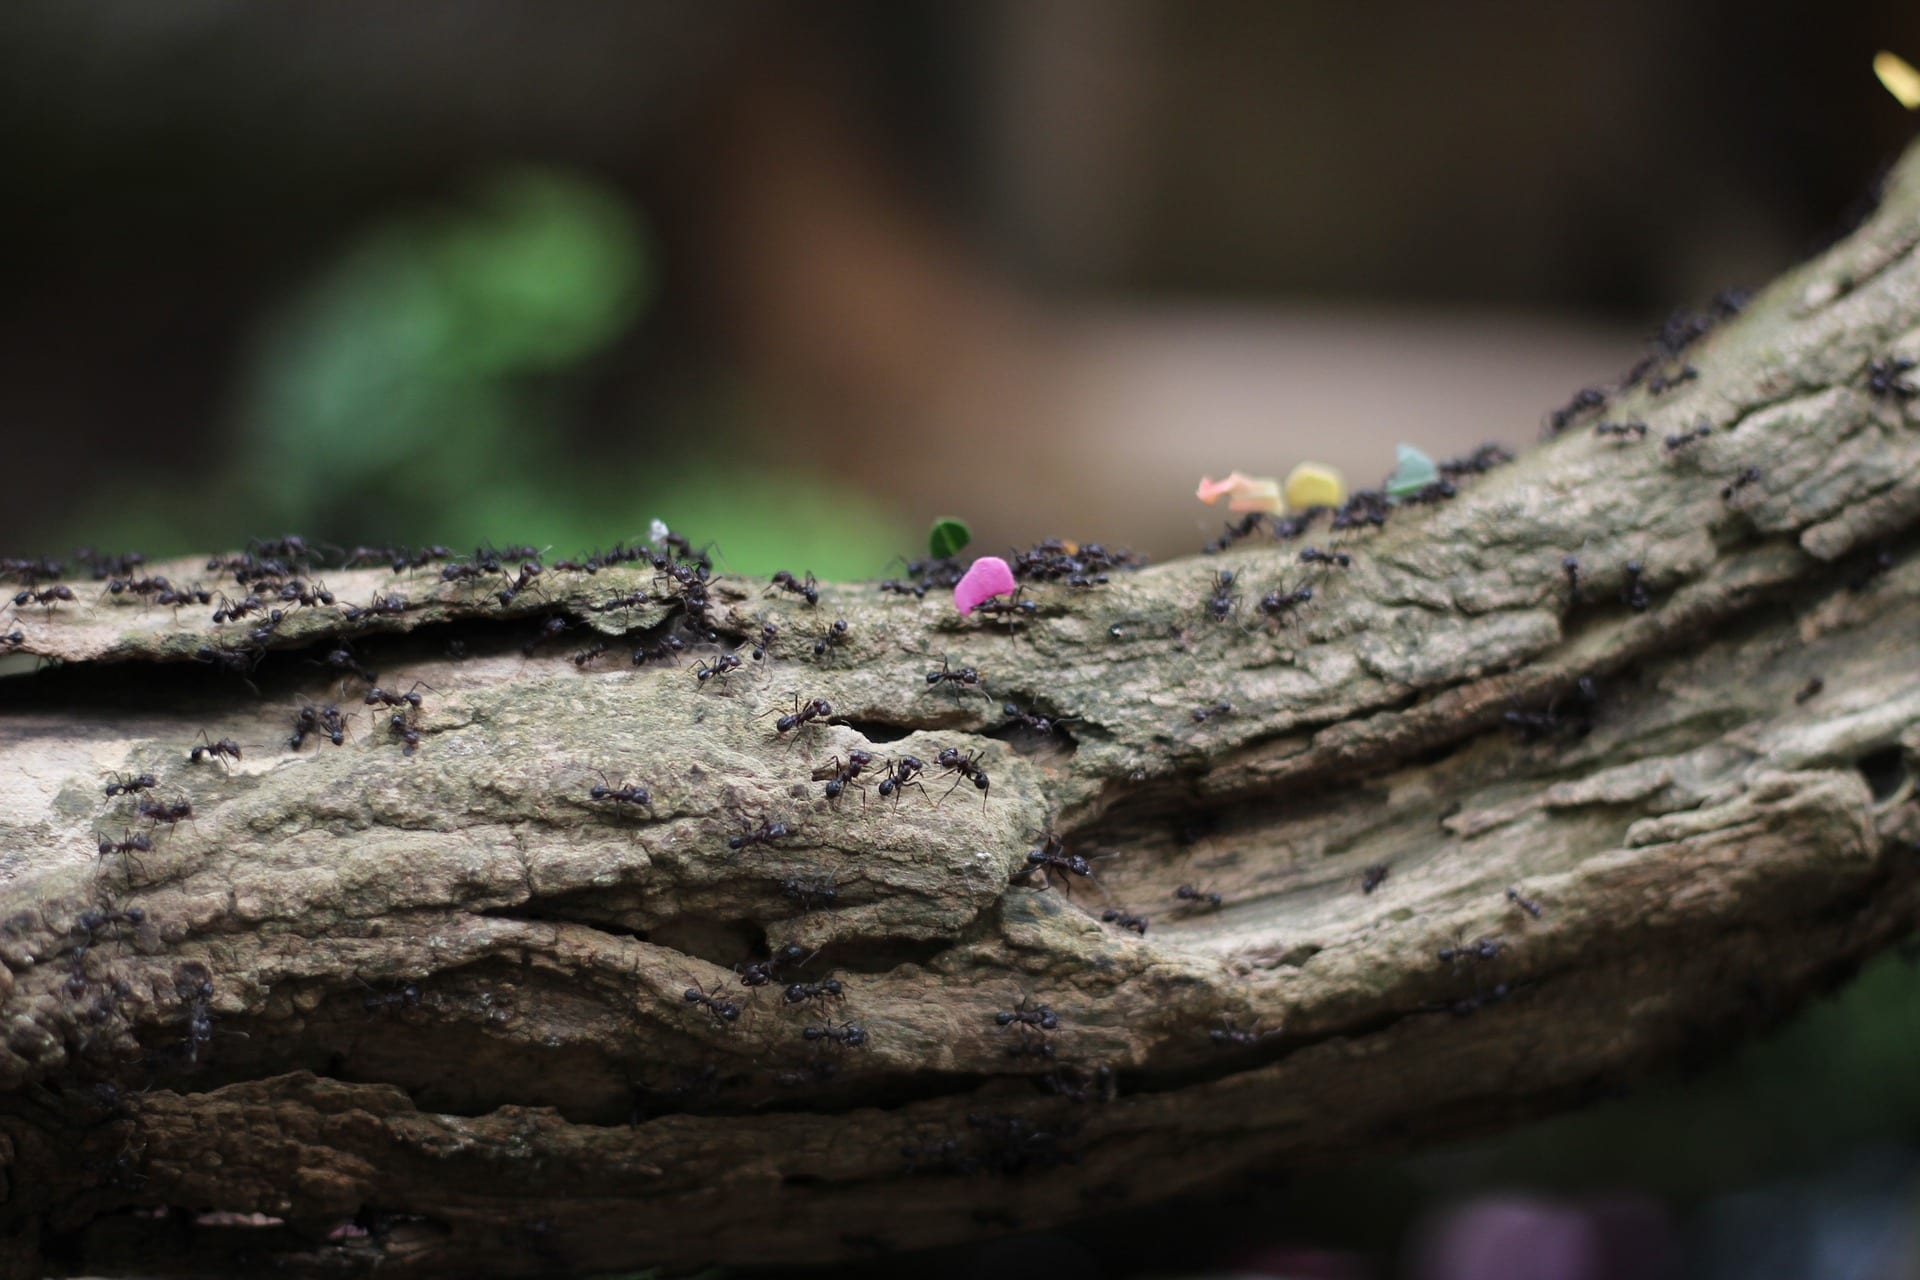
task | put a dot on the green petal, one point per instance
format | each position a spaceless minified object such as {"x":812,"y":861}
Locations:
{"x":1415,"y":472}
{"x":948,"y":536}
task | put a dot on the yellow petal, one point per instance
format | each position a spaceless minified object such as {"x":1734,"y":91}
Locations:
{"x":1312,"y":484}
{"x":1899,"y":77}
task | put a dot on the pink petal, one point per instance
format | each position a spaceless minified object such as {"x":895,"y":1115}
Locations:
{"x":1244,"y":493}
{"x":985,"y":578}
{"x":1210,"y":490}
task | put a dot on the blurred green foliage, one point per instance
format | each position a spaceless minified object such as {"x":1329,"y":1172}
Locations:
{"x":1841,"y":1073}
{"x":420,"y":391}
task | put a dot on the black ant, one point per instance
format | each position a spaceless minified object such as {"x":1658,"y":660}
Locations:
{"x":1478,"y":949}
{"x":1052,"y":856}
{"x":1333,"y":559}
{"x":1532,"y":726}
{"x":809,"y":892}
{"x":1246,"y":527}
{"x":30,"y":571}
{"x":237,"y":660}
{"x":1186,"y":892}
{"x":848,"y":1035}
{"x":664,"y":650}
{"x":1677,"y":442}
{"x":1663,"y":382}
{"x":1014,"y":608}
{"x":967,"y":766}
{"x":528,"y":572}
{"x":720,"y":666}
{"x":831,"y":638}
{"x":405,"y":558}
{"x":1228,"y":1035}
{"x":224,"y":750}
{"x":1028,"y":1016}
{"x":806,"y":588}
{"x":125,"y":786}
{"x":48,"y":596}
{"x":964,"y":678}
{"x":682,"y":546}
{"x":1808,"y":691}
{"x":766,"y":833}
{"x":1525,"y":903}
{"x":342,"y":659}
{"x":130,"y":844}
{"x":1126,"y":920}
{"x":897,"y":587}
{"x":325,"y":720}
{"x":1276,"y":603}
{"x":902,"y":773}
{"x":768,"y":634}
{"x":1584,"y":399}
{"x":802,"y":714}
{"x":1040,"y":724}
{"x":464,"y":572}
{"x":307,"y":596}
{"x":199,"y":996}
{"x":605,"y":790}
{"x":138,"y":586}
{"x":1373,"y":877}
{"x":234,"y":610}
{"x":1571,"y":567}
{"x":551,"y":627}
{"x":587,"y":656}
{"x":762,"y":972}
{"x":1099,"y":1085}
{"x":1225,"y":600}
{"x":383,"y":604}
{"x":1747,"y":476}
{"x":404,"y":729}
{"x":404,"y":997}
{"x":12,"y":639}
{"x":722,"y":1011}
{"x":628,"y":602}
{"x":839,"y":777}
{"x":1203,"y":714}
{"x":1887,"y":380}
{"x":388,"y":698}
{"x":177,"y":596}
{"x":1634,"y":593}
{"x":800,"y":992}
{"x":1622,"y":430}
{"x":170,"y":812}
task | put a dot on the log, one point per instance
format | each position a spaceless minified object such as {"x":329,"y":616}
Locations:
{"x":1564,"y":778}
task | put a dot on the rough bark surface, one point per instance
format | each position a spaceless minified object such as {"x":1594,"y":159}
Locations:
{"x":427,"y":1012}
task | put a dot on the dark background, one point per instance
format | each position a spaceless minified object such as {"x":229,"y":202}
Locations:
{"x":798,"y":278}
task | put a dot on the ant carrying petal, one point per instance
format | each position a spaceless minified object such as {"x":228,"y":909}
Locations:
{"x":1313,"y":484}
{"x":986,"y":578}
{"x":1244,"y":493}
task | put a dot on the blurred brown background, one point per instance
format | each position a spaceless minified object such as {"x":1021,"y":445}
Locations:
{"x":1039,"y":264}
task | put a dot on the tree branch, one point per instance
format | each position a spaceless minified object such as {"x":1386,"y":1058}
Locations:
{"x":428,"y":1011}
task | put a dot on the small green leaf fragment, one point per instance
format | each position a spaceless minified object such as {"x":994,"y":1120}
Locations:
{"x":1414,"y":473}
{"x":948,"y":537}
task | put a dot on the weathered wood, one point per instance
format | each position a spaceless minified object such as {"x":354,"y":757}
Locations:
{"x":444,"y":992}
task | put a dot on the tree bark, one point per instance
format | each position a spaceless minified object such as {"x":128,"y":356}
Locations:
{"x":427,"y":1011}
